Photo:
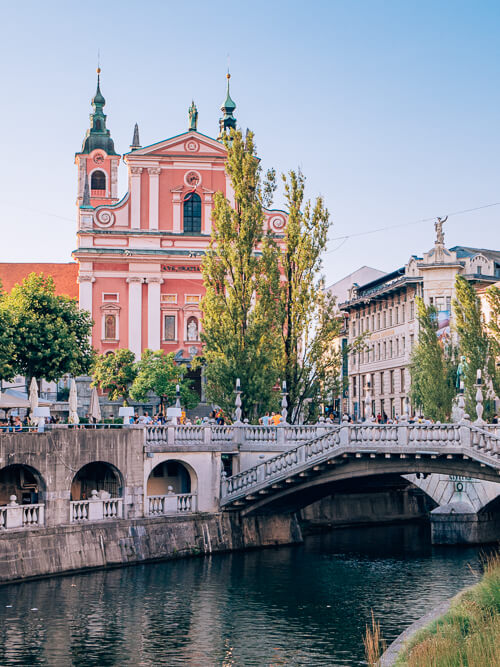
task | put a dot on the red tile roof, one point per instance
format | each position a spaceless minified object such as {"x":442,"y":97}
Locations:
{"x":64,"y":275}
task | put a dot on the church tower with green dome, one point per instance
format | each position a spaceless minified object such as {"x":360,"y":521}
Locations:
{"x":98,"y":161}
{"x":228,"y":121}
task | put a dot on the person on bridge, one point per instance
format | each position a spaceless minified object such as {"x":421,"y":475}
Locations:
{"x":264,"y":420}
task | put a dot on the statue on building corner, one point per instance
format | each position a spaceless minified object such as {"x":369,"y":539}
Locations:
{"x":193,"y":116}
{"x":438,"y":226}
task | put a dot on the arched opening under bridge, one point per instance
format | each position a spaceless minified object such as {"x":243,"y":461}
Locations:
{"x":22,"y":481}
{"x":99,"y":476}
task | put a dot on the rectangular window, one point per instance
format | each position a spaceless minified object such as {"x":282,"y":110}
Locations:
{"x":412,"y":310}
{"x":402,"y":380}
{"x":378,"y":320}
{"x":390,"y":349}
{"x":385,"y":350}
{"x":396,"y":315}
{"x":448,"y":303}
{"x":354,"y":386}
{"x":381,"y":383}
{"x":169,"y":327}
{"x":391,"y":379}
{"x":412,"y":341}
{"x":397,"y":347}
{"x":385,"y":318}
{"x":403,"y":313}
{"x":169,"y":298}
{"x":110,"y":297}
{"x":192,"y":298}
{"x":390,"y":317}
{"x":403,"y":343}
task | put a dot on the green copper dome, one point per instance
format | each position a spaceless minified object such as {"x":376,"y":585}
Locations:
{"x":98,"y":136}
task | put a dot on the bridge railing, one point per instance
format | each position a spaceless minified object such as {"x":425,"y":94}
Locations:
{"x":363,"y":437}
{"x":21,"y":516}
{"x":245,"y":435}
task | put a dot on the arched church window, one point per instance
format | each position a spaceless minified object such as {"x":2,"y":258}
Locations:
{"x":98,"y":180}
{"x":192,"y":214}
{"x":110,"y":327}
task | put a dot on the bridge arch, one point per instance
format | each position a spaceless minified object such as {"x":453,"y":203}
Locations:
{"x":22,"y":481}
{"x":98,"y":476}
{"x":302,"y":487}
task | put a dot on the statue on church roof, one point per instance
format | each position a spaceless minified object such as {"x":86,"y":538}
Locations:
{"x":193,"y":116}
{"x":438,"y":226}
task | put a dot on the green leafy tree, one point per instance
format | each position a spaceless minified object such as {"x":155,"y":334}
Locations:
{"x":157,"y":372}
{"x":114,"y":373}
{"x":308,"y":322}
{"x":473,"y":340}
{"x":51,"y":335}
{"x":240,"y":308}
{"x":6,"y":342}
{"x":493,"y":327}
{"x":432,"y":369}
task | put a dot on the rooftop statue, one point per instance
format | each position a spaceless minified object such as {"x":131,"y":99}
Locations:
{"x":438,"y":226}
{"x":193,"y":116}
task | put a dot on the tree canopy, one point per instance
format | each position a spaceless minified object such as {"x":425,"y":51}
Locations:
{"x":114,"y":372}
{"x":50,"y":334}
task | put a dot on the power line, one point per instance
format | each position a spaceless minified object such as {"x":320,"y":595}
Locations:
{"x":404,"y":224}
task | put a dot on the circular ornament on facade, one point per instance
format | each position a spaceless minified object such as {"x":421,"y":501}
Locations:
{"x":98,"y":158}
{"x":192,"y":179}
{"x":192,"y":146}
{"x":104,"y":218}
{"x":277,"y":223}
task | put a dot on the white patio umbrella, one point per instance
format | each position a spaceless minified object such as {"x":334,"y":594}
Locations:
{"x":95,"y":408}
{"x":73,"y":403}
{"x":33,"y":399}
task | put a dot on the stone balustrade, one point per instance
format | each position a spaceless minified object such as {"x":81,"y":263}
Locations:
{"x":433,"y":440}
{"x":21,"y":516}
{"x":95,"y":509}
{"x":172,"y":503}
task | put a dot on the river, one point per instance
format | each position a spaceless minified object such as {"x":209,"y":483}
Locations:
{"x":302,"y":605}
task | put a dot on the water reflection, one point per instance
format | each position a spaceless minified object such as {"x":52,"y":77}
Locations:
{"x":304,"y":605}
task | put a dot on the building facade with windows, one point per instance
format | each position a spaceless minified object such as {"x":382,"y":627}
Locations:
{"x":384,"y":312}
{"x":139,"y":257}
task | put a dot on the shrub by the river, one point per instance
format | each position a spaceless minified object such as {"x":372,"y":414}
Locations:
{"x":468,"y":634}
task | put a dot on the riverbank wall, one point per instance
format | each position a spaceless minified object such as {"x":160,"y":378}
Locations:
{"x":34,"y":553}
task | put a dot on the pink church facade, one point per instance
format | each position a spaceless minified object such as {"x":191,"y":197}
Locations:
{"x":139,"y":256}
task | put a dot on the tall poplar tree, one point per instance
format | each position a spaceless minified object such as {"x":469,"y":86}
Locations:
{"x":432,"y":371}
{"x":309,"y":325}
{"x":473,"y":341}
{"x":241,"y":277}
{"x":493,"y":300}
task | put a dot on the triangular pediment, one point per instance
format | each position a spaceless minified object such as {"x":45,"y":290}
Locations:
{"x":189,"y":144}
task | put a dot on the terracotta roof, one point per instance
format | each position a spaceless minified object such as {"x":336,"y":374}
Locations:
{"x":64,"y":275}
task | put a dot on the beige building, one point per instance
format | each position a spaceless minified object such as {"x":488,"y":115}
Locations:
{"x":385,"y":309}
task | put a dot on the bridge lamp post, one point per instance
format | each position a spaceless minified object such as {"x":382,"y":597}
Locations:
{"x":461,"y":401}
{"x":479,"y":398}
{"x":368,"y":404}
{"x":284,"y":403}
{"x":237,"y":403}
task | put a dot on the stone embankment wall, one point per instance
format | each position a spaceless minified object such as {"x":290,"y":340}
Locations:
{"x":26,"y":554}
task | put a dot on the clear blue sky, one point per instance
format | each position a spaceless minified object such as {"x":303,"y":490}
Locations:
{"x":391,"y":108}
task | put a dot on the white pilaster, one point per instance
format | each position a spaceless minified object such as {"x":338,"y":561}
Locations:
{"x":154,"y":194}
{"x":176,"y":212}
{"x":207,"y":213}
{"x":85,"y":292}
{"x":135,"y":315}
{"x":154,"y":312}
{"x":135,"y":197}
{"x":230,"y":191}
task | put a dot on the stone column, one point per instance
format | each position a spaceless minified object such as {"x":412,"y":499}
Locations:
{"x":135,"y":315}
{"x":154,"y":312}
{"x":135,"y":197}
{"x":154,"y":195}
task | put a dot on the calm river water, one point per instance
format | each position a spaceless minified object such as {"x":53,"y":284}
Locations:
{"x":304,"y":605}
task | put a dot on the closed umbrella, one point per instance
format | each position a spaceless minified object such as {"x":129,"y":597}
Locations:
{"x":95,"y":408}
{"x":73,"y":403}
{"x":33,"y":399}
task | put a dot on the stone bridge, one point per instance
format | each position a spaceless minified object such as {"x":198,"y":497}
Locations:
{"x":309,"y":471}
{"x":70,"y":476}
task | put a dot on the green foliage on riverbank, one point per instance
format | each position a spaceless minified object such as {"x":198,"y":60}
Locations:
{"x":468,"y":635}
